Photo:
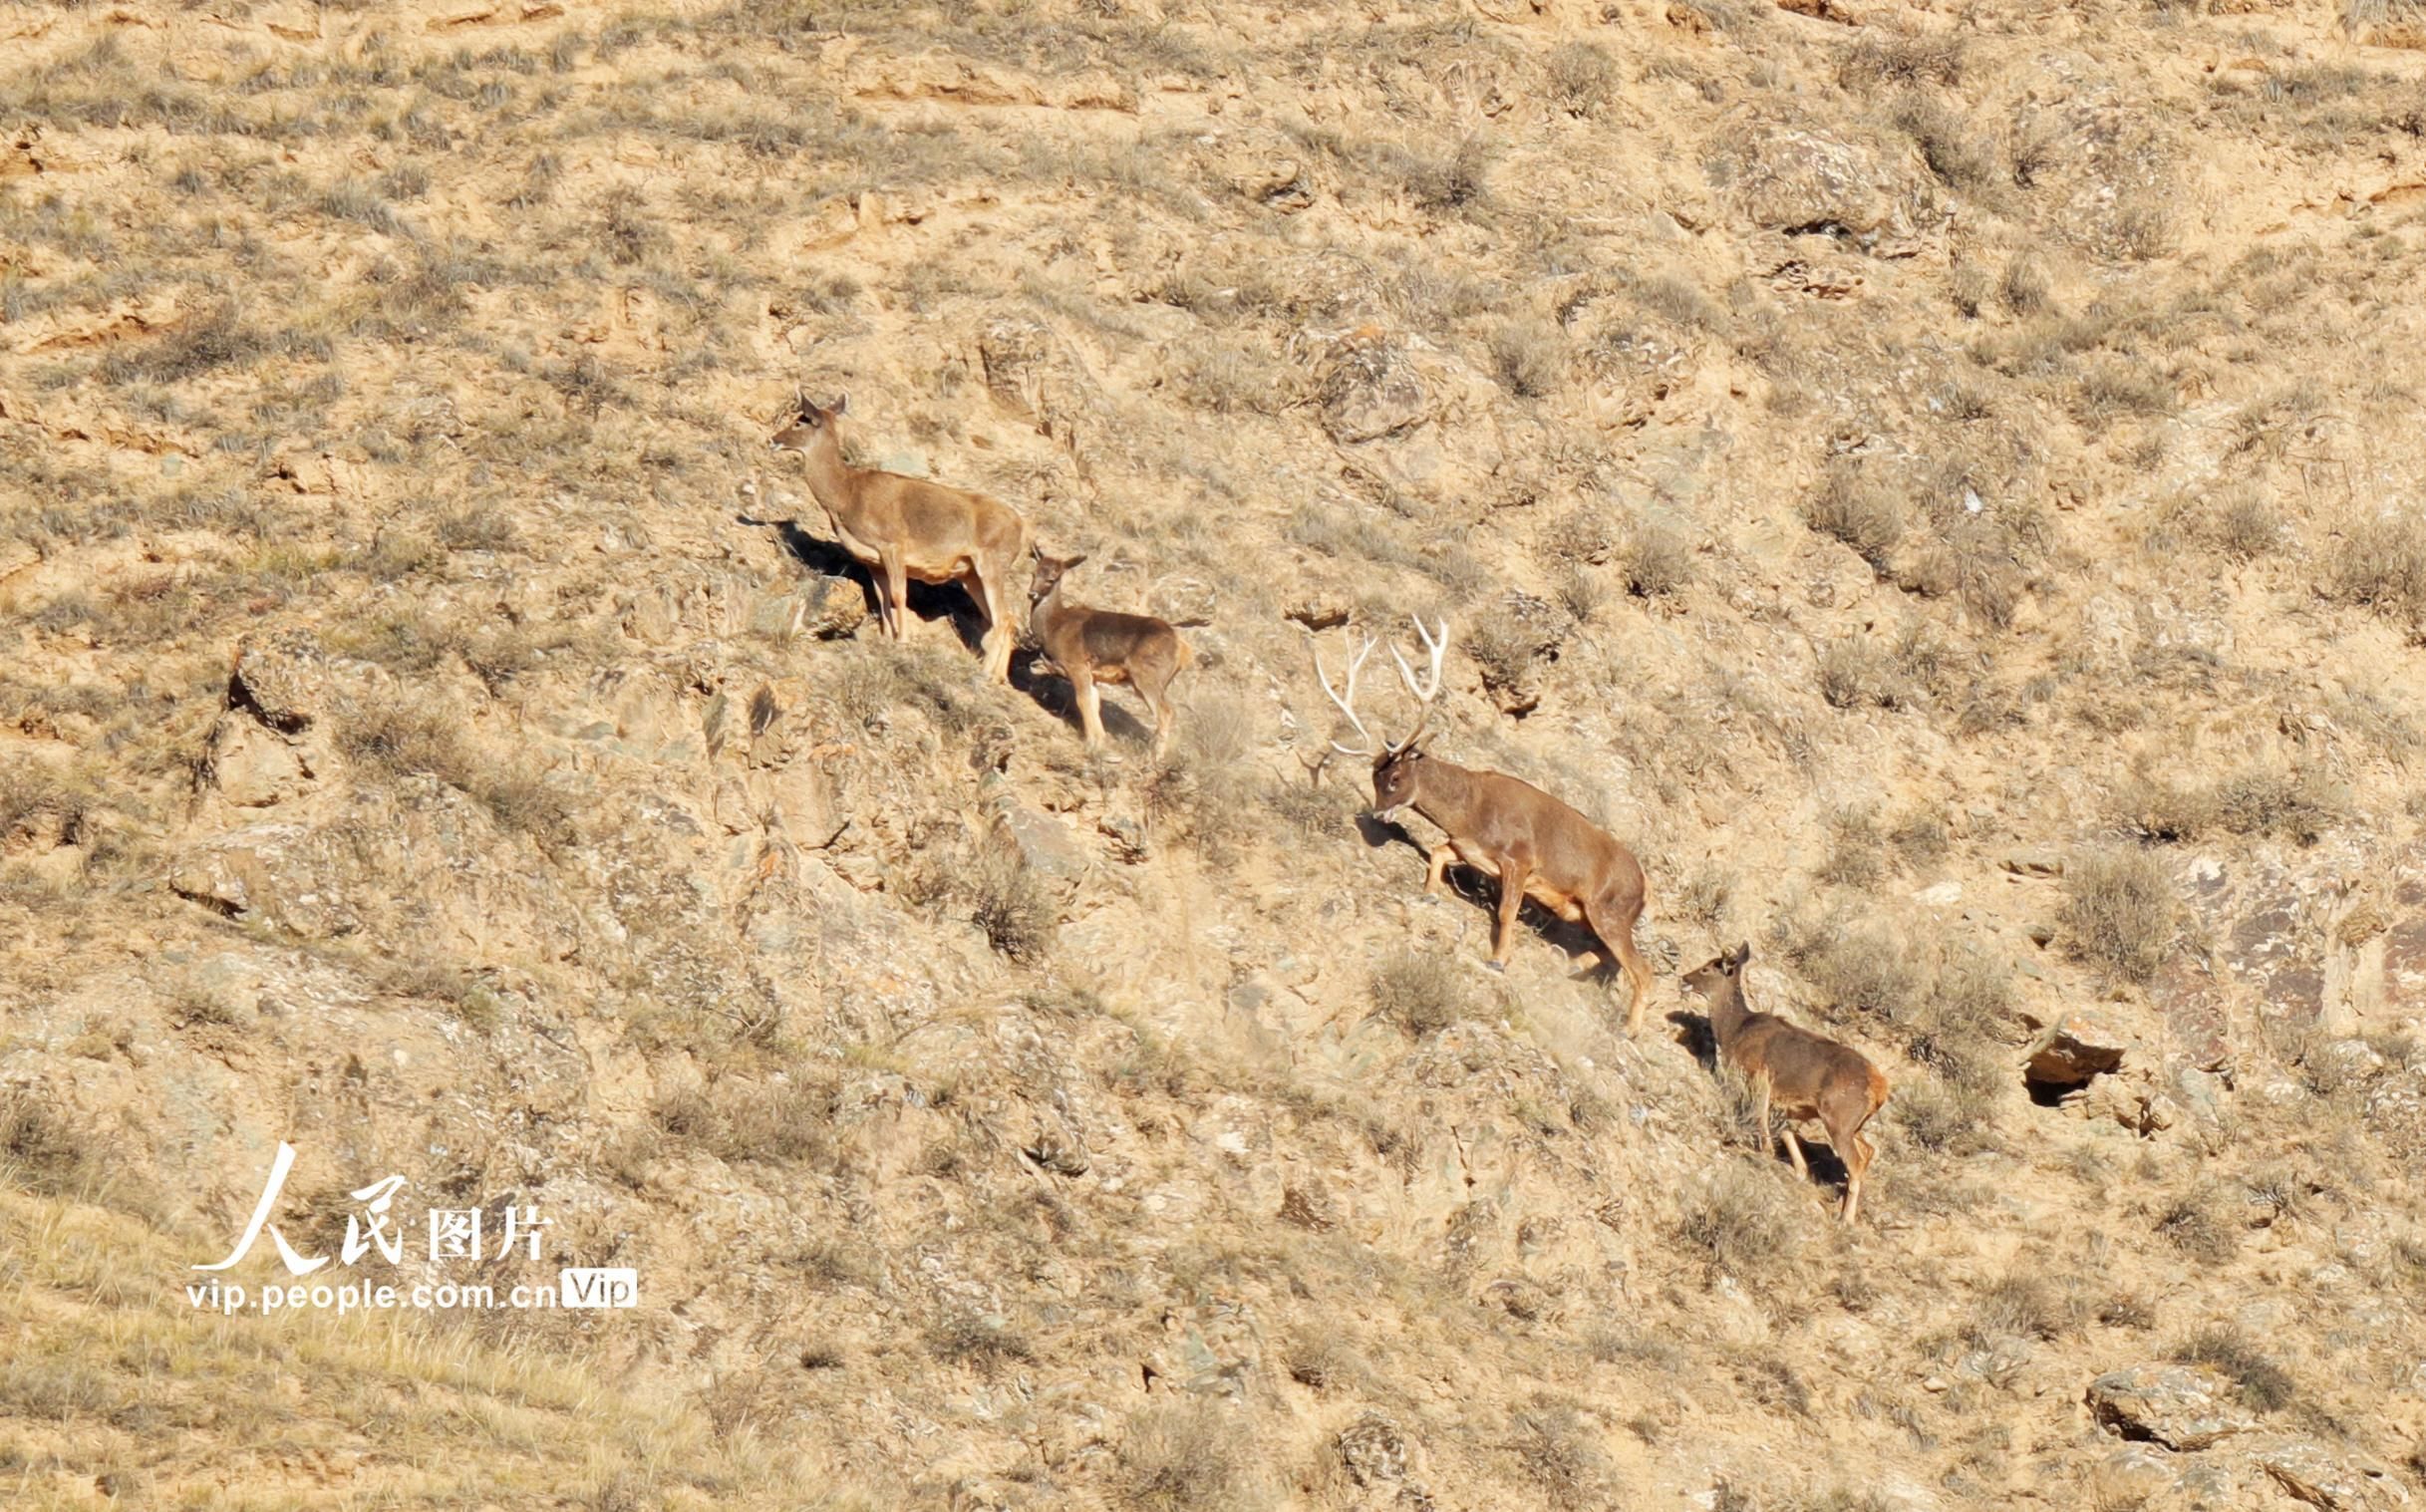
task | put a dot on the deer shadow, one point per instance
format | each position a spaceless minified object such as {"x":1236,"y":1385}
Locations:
{"x":927,"y":601}
{"x":1049,"y":688}
{"x":1693,"y":1031}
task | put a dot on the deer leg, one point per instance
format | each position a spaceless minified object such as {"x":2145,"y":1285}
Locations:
{"x":1794,"y":1152}
{"x":1857,"y":1152}
{"x":1090,"y":705}
{"x":1443,"y":854}
{"x":897,"y":589}
{"x":1617,"y":939}
{"x":980,"y":588}
{"x":1157,"y":697}
{"x":1512,"y":874}
{"x":1760,"y":1114}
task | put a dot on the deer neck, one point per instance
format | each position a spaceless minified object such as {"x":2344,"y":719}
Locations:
{"x":831,"y":480}
{"x":1046,"y":613}
{"x":1727,"y":1011}
{"x":1445,"y":792}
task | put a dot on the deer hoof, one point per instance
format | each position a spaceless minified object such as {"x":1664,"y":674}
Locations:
{"x":1498,"y":965}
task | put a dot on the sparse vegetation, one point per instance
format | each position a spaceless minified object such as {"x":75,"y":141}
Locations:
{"x":1188,"y":1458}
{"x":1743,"y":1222}
{"x":386,"y":485}
{"x":1419,"y":992}
{"x":2119,"y":909}
{"x":2264,"y":1384}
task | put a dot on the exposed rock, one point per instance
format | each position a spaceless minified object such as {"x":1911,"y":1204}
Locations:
{"x":280,"y":680}
{"x":2035,"y":861}
{"x":2179,"y":1406}
{"x":2333,"y":1481}
{"x":2080,"y":1044}
{"x":1375,"y":1451}
{"x":1033,"y":374}
{"x":1370,"y":388}
{"x":828,"y":608}
{"x":1795,"y":180}
{"x":253,"y":767}
{"x":1046,"y":845}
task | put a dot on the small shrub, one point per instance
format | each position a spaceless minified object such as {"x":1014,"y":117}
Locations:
{"x":1421,"y":993}
{"x":1188,"y":1457}
{"x":1853,"y":843}
{"x":1530,"y":356}
{"x":1577,"y":591}
{"x":1006,"y":900}
{"x":1502,"y":650}
{"x":2028,"y":1305}
{"x":2119,"y":910}
{"x":1852,"y":506}
{"x":39,"y":1151}
{"x":1848,"y":671}
{"x":1658,"y":559}
{"x":1582,"y":78}
{"x":1904,"y":58}
{"x":1945,"y":1116}
{"x":2264,"y":1384}
{"x":985,"y":1342}
{"x":2024,"y":287}
{"x":2380,"y":562}
{"x":1558,"y":1452}
{"x":1741,"y":1223}
{"x":1948,"y":143}
{"x":2192,"y":1225}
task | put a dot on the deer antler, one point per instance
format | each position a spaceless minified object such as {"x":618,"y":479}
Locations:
{"x":1346,"y":701}
{"x":1426,"y":689}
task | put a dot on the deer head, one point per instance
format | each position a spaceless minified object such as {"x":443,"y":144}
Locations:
{"x":1396,"y":763}
{"x":810,"y":424}
{"x":1048,"y":574}
{"x":1713,"y":976}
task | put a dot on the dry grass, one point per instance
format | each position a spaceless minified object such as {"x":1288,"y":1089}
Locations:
{"x":2119,"y":911}
{"x":1419,"y":992}
{"x":1746,"y":1221}
{"x":2379,"y":561}
{"x":1192,"y":1457}
{"x":2263,"y":1384}
{"x":1856,"y":507}
{"x":1010,"y":905}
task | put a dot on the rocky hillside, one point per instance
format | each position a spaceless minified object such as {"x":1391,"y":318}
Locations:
{"x":1940,"y":482}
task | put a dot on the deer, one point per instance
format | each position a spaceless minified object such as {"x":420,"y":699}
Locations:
{"x":1808,"y":1075}
{"x":902,"y":527}
{"x":1501,"y":827}
{"x":1093,"y":646}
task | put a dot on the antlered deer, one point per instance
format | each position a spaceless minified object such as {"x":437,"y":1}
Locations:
{"x":904,"y":527}
{"x":1503,"y":827}
{"x":1808,"y":1074}
{"x":1093,"y":646}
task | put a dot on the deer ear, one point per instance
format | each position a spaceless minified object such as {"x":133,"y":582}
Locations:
{"x":1068,"y":562}
{"x":842,"y":403}
{"x":1743,"y":953}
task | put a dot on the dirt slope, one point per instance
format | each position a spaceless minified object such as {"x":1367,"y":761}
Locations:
{"x":1939,"y":484}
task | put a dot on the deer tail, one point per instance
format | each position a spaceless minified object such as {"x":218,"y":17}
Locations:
{"x":1877,"y":1088}
{"x":1187,"y":653}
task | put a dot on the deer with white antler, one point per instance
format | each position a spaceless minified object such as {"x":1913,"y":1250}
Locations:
{"x":1504,"y":827}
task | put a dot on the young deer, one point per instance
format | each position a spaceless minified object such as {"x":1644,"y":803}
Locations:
{"x":907,"y":527}
{"x":1809,"y":1076}
{"x":1093,"y":646}
{"x":1503,"y":827}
